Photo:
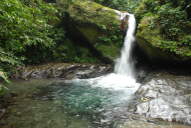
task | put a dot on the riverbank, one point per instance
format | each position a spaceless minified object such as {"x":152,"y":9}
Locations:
{"x":62,"y":71}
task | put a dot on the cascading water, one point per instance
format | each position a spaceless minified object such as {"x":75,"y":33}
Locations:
{"x":124,"y":65}
{"x":124,"y":76}
{"x":120,"y":85}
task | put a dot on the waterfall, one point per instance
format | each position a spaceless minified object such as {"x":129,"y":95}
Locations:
{"x":123,"y":78}
{"x":124,"y":65}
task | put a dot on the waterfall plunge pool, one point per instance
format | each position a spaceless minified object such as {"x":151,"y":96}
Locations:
{"x":91,"y":103}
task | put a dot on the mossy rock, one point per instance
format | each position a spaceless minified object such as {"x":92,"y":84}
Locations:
{"x":156,"y":47}
{"x":95,"y":24}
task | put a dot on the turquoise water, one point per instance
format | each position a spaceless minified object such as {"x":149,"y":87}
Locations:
{"x":47,"y":104}
{"x":55,"y":104}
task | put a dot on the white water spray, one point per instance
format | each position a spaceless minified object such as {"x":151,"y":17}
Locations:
{"x":124,"y":65}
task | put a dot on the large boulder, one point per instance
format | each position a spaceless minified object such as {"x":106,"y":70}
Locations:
{"x":156,"y":48}
{"x":92,"y":25}
{"x":165,"y":96}
{"x":163,"y":32}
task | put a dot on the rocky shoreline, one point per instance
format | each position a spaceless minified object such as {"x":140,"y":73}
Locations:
{"x":63,"y":71}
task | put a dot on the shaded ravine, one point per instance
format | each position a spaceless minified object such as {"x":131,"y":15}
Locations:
{"x":114,"y":100}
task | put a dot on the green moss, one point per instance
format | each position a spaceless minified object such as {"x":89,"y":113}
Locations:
{"x":90,"y":33}
{"x":164,"y":29}
{"x":156,"y":46}
{"x":99,"y":25}
{"x":91,"y":12}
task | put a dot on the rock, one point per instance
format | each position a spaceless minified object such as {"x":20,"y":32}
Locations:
{"x":168,"y":98}
{"x":158,"y":49}
{"x":94,"y":26}
{"x":144,"y":124}
{"x":63,"y":70}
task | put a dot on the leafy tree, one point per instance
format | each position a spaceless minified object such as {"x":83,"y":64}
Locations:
{"x":26,"y":24}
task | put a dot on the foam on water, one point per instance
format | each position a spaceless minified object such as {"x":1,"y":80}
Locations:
{"x":111,"y":81}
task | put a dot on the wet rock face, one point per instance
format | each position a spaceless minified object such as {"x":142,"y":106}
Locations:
{"x":166,"y":97}
{"x":62,"y":70}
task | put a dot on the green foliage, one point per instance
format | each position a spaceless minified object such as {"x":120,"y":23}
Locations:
{"x":113,"y":37}
{"x":126,"y":5}
{"x":172,"y":18}
{"x":4,"y":78}
{"x":68,"y":52}
{"x":8,"y":59}
{"x":27,"y":30}
{"x":172,"y":21}
{"x":110,"y":44}
{"x":23,"y":26}
{"x":186,"y":41}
